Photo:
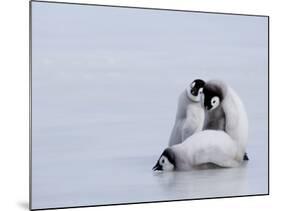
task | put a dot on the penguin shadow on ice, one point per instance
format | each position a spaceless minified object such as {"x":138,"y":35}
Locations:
{"x":211,"y":128}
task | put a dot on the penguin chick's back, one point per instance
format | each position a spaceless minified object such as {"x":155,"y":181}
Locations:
{"x":208,"y":146}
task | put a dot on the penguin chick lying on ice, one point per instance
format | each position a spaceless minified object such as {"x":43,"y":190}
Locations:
{"x":204,"y":147}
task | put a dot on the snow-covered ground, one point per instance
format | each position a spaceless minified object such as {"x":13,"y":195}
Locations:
{"x":105,"y":83}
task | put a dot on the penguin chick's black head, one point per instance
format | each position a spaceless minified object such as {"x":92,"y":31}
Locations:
{"x":195,"y":86}
{"x":166,"y":162}
{"x":213,"y":96}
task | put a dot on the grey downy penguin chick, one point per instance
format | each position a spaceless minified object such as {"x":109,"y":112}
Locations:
{"x":190,"y":114}
{"x":225,"y":111}
{"x":204,"y":147}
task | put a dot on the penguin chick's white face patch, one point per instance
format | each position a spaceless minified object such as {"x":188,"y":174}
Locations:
{"x":215,"y":102}
{"x":165,"y":163}
{"x":192,"y":85}
{"x":201,"y":91}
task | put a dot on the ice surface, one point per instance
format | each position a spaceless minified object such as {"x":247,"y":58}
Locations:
{"x":105,"y":83}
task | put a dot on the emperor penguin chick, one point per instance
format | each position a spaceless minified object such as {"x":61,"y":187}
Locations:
{"x":190,"y":115}
{"x":204,"y":147}
{"x":225,"y":111}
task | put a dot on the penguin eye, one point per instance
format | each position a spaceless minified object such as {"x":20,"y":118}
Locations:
{"x":200,"y":90}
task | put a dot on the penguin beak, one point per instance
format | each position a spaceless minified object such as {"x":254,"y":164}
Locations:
{"x":157,"y":167}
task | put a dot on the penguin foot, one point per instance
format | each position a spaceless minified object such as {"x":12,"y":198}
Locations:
{"x":246,"y":157}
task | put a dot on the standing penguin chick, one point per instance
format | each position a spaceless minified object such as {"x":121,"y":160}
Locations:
{"x":225,"y":111}
{"x":204,"y":147}
{"x":190,"y":115}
